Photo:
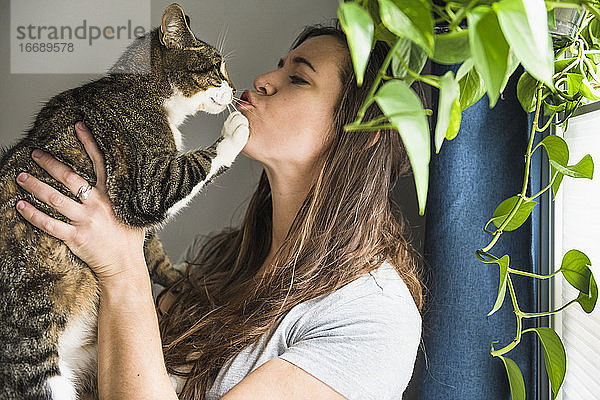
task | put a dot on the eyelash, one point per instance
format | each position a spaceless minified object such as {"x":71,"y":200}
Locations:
{"x":297,"y":80}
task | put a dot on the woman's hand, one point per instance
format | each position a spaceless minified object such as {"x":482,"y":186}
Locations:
{"x":94,"y":234}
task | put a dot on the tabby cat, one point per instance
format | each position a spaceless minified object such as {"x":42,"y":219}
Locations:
{"x":49,"y":297}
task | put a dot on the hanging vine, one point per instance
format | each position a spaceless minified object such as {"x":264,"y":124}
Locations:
{"x":490,"y":39}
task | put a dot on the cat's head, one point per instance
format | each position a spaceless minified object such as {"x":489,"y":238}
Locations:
{"x":195,"y":70}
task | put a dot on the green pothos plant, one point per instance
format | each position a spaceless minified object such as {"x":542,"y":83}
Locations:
{"x":490,"y":39}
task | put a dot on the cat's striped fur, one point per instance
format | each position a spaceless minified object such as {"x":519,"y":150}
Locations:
{"x":48,"y":297}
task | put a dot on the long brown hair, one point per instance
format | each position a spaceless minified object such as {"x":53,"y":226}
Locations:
{"x":347,"y":226}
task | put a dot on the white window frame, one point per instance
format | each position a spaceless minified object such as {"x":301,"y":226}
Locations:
{"x":554,"y":244}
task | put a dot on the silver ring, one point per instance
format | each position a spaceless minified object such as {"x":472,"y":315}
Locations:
{"x":84,"y":192}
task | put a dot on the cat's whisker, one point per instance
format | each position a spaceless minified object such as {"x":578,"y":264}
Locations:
{"x":220,"y":40}
{"x":234,"y":104}
{"x":225,"y":39}
{"x":229,"y":56}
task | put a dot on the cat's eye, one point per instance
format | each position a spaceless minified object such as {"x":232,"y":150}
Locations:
{"x":297,"y":80}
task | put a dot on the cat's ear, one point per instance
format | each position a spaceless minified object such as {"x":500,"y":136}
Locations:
{"x":175,"y":32}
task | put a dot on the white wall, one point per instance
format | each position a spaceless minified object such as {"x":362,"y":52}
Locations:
{"x":259,"y":33}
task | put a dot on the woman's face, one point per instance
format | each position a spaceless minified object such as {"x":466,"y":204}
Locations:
{"x":291,"y":111}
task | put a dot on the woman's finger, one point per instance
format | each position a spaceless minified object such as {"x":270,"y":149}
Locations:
{"x":91,"y":147}
{"x":51,"y":226}
{"x":59,"y":171}
{"x":46,"y":193}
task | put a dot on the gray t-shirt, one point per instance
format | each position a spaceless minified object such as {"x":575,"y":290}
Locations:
{"x":361,"y":340}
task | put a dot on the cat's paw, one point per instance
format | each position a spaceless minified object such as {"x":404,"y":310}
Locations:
{"x":236,"y":131}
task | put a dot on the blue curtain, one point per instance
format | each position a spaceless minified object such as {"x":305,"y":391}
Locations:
{"x":471,"y":175}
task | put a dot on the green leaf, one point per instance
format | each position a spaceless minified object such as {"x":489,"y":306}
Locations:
{"x":593,"y":30}
{"x":526,"y":92}
{"x":413,"y":55}
{"x":397,"y":97}
{"x":588,"y":90}
{"x":555,"y":357}
{"x":557,"y":149}
{"x":583,"y":169}
{"x":575,"y":268}
{"x":472,"y":87}
{"x":588,"y":301}
{"x":557,"y":181}
{"x":503,"y":262}
{"x":591,"y":35}
{"x":410,"y":19}
{"x":573,"y":83}
{"x":464,"y":68}
{"x":558,"y":152}
{"x":358,"y":26}
{"x":551,"y":19}
{"x":560,"y":65}
{"x":382,"y":33}
{"x":452,"y":47}
{"x":515,"y":379}
{"x":525,"y":26}
{"x":455,"y":118}
{"x":447,"y":97}
{"x":550,"y":108}
{"x":511,"y":66}
{"x":504,"y":209}
{"x":489,"y":49}
{"x":577,"y":83}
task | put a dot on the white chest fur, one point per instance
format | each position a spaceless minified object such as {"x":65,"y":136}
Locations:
{"x":77,"y":357}
{"x":178,"y":107}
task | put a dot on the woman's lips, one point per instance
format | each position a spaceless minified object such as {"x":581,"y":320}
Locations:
{"x":246,"y":99}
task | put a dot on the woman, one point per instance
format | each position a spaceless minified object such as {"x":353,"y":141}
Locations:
{"x":315,"y":295}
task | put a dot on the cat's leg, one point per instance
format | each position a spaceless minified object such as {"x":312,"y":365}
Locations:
{"x":167,"y":184}
{"x":223,"y":152}
{"x":160,"y":267}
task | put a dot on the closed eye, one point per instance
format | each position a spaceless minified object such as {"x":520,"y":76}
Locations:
{"x":297,"y":80}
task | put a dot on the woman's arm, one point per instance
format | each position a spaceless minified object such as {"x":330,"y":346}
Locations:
{"x":278,"y":379}
{"x":130,"y":361}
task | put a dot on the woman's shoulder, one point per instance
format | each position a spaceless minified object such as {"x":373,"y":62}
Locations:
{"x":343,"y":338}
{"x":383,"y":285}
{"x":379,"y":297}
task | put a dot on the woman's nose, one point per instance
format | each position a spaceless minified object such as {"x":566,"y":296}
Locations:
{"x":263,"y":84}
